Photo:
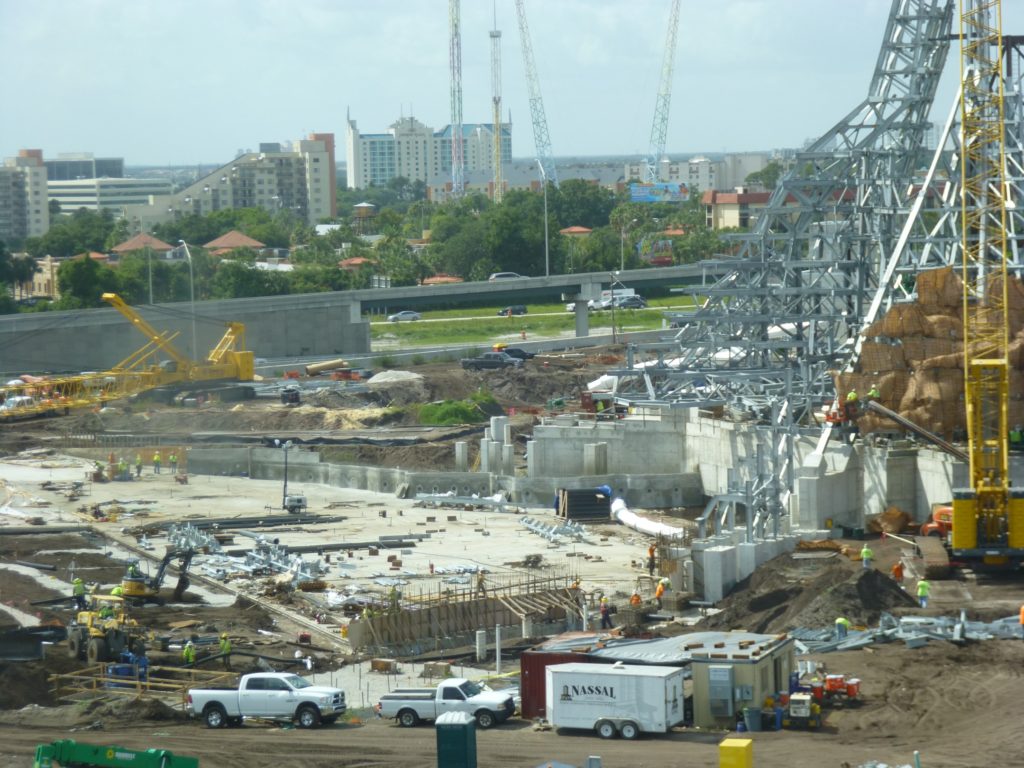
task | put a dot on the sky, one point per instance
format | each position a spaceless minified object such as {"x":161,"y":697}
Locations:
{"x":183,"y":82}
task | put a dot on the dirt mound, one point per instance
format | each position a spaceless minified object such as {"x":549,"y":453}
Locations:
{"x":132,"y":710}
{"x":787,"y":592}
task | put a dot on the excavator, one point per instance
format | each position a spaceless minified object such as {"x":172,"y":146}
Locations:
{"x":138,"y":588}
{"x":70,"y":753}
{"x":155,"y":366}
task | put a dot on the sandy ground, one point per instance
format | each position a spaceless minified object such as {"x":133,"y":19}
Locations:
{"x":958,"y":705}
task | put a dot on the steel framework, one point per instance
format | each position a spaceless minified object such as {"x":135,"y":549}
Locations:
{"x":865,"y":208}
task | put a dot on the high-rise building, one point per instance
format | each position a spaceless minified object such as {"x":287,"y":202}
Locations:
{"x":82,"y":165}
{"x":24,"y":210}
{"x":297,"y":178}
{"x":417,"y":152}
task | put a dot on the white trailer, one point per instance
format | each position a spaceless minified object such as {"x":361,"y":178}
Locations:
{"x":615,"y":699}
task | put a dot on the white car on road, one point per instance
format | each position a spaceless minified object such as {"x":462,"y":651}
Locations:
{"x":405,"y":314}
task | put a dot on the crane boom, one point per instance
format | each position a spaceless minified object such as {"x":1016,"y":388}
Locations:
{"x":455,"y":64}
{"x":499,"y":181}
{"x":988,"y":520}
{"x":161,"y":341}
{"x":659,"y":128}
{"x":541,"y":139}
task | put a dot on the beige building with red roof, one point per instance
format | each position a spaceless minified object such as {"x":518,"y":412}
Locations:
{"x":230,"y":241}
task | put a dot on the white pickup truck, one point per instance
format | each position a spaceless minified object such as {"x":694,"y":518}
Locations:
{"x":411,"y":705}
{"x":268,"y":696}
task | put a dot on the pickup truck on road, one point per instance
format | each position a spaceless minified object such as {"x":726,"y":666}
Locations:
{"x":411,"y":705}
{"x":269,"y":696}
{"x":490,"y":360}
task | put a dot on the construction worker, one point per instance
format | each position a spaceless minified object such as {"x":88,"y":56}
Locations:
{"x":133,"y":570}
{"x":117,"y":591}
{"x":606,"y":614}
{"x":897,"y":572}
{"x":106,"y":612}
{"x":156,"y":463}
{"x":122,"y":469}
{"x":173,"y":461}
{"x":842,"y":628}
{"x":225,"y":649}
{"x":923,"y":589}
{"x":188,"y":653}
{"x":394,"y":600}
{"x":78,"y":593}
{"x":1017,"y":438}
{"x":852,"y":405}
{"x":635,"y":599}
{"x":874,"y":393}
{"x":659,"y":592}
{"x":138,"y":465}
{"x":866,"y":556}
{"x":651,"y":550}
{"x":481,"y":590}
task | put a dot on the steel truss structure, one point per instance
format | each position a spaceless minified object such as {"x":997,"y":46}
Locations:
{"x":865,"y":209}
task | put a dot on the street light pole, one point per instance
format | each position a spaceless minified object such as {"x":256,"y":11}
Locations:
{"x":192,"y":296}
{"x":544,"y":181}
{"x":284,"y":492}
{"x":612,"y":289}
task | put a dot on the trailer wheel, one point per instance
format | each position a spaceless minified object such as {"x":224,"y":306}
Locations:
{"x":485,"y":719}
{"x":214,"y":716}
{"x":630,"y":730}
{"x":308,"y":716}
{"x":606,"y":729}
{"x":407,"y":718}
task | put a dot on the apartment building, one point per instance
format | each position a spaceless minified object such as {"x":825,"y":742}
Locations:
{"x":24,"y":210}
{"x":417,"y":152}
{"x":297,"y":177}
{"x":96,"y":194}
{"x":704,"y":173}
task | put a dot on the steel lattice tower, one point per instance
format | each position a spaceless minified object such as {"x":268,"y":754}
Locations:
{"x":455,"y":64}
{"x":496,"y":108}
{"x":541,"y":139}
{"x":659,"y":128}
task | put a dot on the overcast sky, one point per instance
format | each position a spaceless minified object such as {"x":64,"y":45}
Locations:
{"x":193,"y":81}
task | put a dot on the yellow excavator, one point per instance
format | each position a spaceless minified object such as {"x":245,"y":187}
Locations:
{"x":138,"y":588}
{"x":158,"y":364}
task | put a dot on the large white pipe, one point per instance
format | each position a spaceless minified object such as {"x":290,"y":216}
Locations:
{"x":632,"y":520}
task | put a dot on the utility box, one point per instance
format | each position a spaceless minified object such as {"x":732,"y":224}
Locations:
{"x":456,"y":740}
{"x":736,"y":753}
{"x":615,"y":700}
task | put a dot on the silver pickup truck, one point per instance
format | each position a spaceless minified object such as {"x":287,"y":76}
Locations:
{"x":268,"y":696}
{"x":409,"y":706}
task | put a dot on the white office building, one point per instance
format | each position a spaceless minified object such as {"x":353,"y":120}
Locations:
{"x":24,"y":209}
{"x":417,"y":152}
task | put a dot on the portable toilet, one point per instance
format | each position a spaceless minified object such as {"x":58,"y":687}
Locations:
{"x":456,"y":740}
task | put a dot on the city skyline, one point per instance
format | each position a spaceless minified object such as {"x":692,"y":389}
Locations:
{"x":179,"y":84}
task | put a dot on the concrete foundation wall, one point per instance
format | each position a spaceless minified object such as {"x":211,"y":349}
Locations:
{"x":98,"y":339}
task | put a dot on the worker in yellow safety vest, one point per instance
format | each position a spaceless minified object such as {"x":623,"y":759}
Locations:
{"x":156,"y":463}
{"x":78,"y":592}
{"x":188,"y":653}
{"x":225,"y":649}
{"x":173,"y":461}
{"x":842,"y":627}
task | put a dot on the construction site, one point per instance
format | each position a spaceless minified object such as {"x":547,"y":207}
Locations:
{"x":805,"y":496}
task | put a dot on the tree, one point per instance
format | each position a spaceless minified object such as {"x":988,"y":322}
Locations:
{"x":82,"y":231}
{"x":580,"y":203}
{"x":82,"y":282}
{"x":767,"y":177}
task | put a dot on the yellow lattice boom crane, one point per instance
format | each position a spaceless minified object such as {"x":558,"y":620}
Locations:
{"x":141,"y":371}
{"x":988,"y":517}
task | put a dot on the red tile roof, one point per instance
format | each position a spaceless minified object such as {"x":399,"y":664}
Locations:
{"x":234,"y":239}
{"x":141,"y":241}
{"x":355,"y":262}
{"x":575,"y":230}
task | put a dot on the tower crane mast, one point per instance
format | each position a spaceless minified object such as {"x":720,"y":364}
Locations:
{"x":541,"y":139}
{"x":496,"y":107}
{"x":455,"y":63}
{"x":988,"y":517}
{"x":659,"y":128}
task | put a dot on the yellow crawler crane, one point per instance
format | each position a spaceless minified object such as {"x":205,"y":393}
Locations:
{"x":988,"y":517}
{"x":141,"y":371}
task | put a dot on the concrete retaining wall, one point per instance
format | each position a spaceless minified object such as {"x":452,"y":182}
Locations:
{"x":98,"y":339}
